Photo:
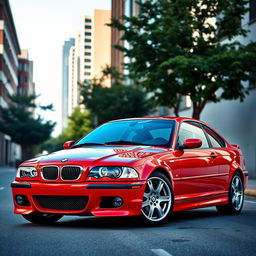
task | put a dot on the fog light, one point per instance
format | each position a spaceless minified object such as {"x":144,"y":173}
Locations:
{"x":19,"y":200}
{"x":117,"y":202}
{"x":22,"y":200}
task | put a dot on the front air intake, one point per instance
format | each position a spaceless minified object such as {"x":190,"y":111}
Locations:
{"x":64,"y":203}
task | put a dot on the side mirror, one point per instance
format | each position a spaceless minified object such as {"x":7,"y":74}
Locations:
{"x":68,"y":144}
{"x":192,"y":143}
{"x":235,"y":146}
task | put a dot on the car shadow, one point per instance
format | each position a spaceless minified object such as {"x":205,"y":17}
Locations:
{"x":126,"y":222}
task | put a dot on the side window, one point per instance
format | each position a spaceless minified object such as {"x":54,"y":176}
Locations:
{"x":215,"y":139}
{"x":191,"y":130}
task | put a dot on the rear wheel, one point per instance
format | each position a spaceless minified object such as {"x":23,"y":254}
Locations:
{"x":42,"y":218}
{"x":235,"y":196}
{"x":157,"y":200}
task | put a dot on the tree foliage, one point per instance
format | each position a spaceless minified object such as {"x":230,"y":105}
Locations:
{"x":79,"y":124}
{"x":18,"y":122}
{"x":117,"y":101}
{"x":188,"y":47}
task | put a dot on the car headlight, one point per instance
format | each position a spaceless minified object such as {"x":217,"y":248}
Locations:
{"x":114,"y":172}
{"x":26,"y":171}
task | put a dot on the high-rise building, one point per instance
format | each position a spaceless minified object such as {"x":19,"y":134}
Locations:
{"x":74,"y":75}
{"x":96,"y":37}
{"x":9,"y":51}
{"x":101,"y":43}
{"x":84,"y":58}
{"x":87,"y":52}
{"x":65,"y":79}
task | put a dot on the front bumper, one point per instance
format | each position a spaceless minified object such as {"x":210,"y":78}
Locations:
{"x":130,"y":192}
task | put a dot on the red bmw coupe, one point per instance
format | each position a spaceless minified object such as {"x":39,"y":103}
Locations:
{"x":148,"y":167}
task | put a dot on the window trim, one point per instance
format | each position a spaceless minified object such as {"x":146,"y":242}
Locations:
{"x":225,"y":144}
{"x":187,"y":121}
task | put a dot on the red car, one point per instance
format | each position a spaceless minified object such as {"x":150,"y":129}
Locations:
{"x":148,"y":167}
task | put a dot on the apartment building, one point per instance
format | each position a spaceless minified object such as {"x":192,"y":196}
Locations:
{"x":9,"y":51}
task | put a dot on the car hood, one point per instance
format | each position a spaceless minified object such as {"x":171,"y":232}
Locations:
{"x":104,"y":154}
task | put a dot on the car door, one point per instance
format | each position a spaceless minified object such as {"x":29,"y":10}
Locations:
{"x":222,"y":158}
{"x":198,"y":170}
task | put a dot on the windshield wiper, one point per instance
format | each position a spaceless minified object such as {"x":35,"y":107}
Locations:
{"x":123,"y":142}
{"x":86,"y":144}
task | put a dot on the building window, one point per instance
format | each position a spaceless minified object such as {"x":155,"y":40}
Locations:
{"x":26,"y":68}
{"x":87,"y":73}
{"x":87,"y":20}
{"x":87,"y":40}
{"x":20,"y":66}
{"x":87,"y":53}
{"x":87,"y":67}
{"x":87,"y":33}
{"x":252,"y":12}
{"x":87,"y":60}
{"x":87,"y":27}
{"x":87,"y":47}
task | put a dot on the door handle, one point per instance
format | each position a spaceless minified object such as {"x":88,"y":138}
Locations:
{"x":213,"y":155}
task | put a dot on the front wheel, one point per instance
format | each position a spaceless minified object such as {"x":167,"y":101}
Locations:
{"x":235,"y":196}
{"x":42,"y":218}
{"x":157,"y":199}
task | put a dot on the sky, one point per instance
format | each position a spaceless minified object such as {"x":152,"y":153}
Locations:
{"x":42,"y":27}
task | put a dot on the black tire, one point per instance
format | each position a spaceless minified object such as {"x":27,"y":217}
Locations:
{"x":41,"y":218}
{"x":235,"y":197}
{"x":152,"y":200}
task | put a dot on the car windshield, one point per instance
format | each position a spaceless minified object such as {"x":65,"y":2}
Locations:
{"x":151,"y":132}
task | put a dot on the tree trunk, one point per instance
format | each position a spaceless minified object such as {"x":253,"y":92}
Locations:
{"x":197,"y":108}
{"x":196,"y":113}
{"x":26,"y":152}
{"x":177,"y":106}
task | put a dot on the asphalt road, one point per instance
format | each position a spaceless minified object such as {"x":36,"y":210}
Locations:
{"x":197,"y":232}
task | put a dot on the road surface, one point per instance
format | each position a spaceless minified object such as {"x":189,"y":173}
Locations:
{"x":197,"y":232}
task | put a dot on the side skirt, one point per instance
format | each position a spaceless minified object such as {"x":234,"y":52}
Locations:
{"x":192,"y":202}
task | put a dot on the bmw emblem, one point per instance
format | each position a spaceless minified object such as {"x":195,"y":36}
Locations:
{"x":64,"y":160}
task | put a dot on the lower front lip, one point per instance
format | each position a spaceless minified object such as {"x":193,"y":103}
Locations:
{"x":130,"y":192}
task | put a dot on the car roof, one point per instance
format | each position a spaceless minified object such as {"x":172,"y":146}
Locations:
{"x":178,"y":119}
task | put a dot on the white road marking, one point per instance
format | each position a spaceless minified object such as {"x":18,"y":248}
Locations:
{"x":248,"y":201}
{"x":1,"y":188}
{"x":161,"y":252}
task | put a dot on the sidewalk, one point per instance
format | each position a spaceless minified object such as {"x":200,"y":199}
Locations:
{"x":7,"y":169}
{"x":251,"y":187}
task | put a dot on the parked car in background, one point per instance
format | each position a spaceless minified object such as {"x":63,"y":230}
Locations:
{"x":147,"y":167}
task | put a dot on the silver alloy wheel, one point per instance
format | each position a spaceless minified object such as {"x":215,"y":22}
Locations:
{"x":237,"y":192}
{"x":157,"y":199}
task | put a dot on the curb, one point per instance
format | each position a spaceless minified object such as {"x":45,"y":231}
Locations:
{"x":250,"y":192}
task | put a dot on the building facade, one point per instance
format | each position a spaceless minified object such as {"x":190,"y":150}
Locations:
{"x":117,"y":57}
{"x":96,"y":51}
{"x":26,"y":85}
{"x":9,"y":51}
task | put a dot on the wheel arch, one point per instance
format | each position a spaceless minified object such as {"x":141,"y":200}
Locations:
{"x":164,"y":172}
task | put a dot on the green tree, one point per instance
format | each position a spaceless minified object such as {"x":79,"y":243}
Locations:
{"x":18,"y":122}
{"x":79,"y":124}
{"x":117,"y":101}
{"x":187,"y":47}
